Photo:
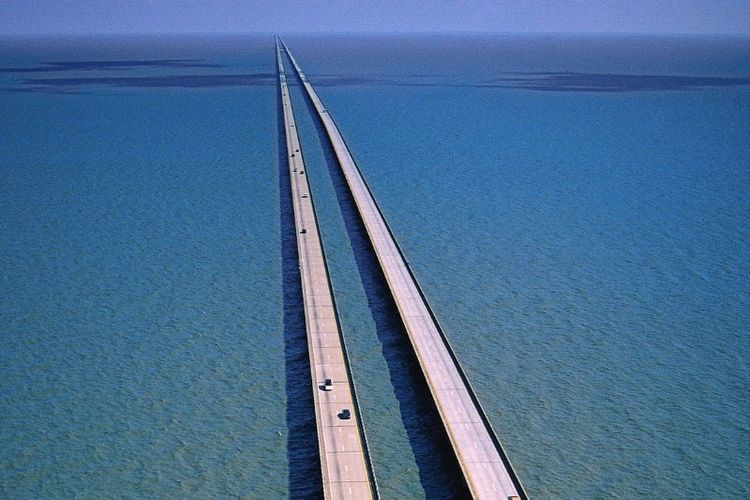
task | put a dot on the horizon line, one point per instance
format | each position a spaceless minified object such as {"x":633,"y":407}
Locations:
{"x":384,"y":32}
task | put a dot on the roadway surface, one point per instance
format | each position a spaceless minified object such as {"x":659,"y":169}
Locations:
{"x":346,"y":469}
{"x":485,"y":466}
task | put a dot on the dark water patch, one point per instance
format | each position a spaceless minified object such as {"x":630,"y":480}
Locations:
{"x":610,"y":82}
{"x":171,"y":81}
{"x":439,"y":471}
{"x":348,"y":80}
{"x":112,"y":65}
{"x":547,"y":81}
{"x":44,"y":90}
{"x":305,"y":480}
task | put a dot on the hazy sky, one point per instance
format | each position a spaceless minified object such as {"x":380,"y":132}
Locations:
{"x":171,"y":16}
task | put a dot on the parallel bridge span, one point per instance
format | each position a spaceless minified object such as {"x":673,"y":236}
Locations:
{"x":484,"y":464}
{"x":345,"y":463}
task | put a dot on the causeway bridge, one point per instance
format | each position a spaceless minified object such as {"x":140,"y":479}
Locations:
{"x":485,"y":466}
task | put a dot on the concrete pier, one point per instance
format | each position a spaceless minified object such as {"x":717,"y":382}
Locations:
{"x":483,"y":461}
{"x":344,"y":459}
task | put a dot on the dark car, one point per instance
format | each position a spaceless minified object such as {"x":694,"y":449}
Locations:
{"x":345,"y":414}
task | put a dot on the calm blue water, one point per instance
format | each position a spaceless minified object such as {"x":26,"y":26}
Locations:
{"x":576,"y":208}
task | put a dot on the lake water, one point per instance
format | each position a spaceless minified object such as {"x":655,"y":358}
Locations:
{"x":577,"y":209}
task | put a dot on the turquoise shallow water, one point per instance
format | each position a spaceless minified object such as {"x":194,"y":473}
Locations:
{"x":584,"y":240}
{"x":141,"y":295}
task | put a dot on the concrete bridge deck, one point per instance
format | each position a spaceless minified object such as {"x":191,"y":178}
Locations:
{"x":484,"y":464}
{"x":345,"y":463}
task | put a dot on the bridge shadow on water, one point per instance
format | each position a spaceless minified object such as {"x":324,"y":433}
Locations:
{"x":305,"y":480}
{"x":439,"y":471}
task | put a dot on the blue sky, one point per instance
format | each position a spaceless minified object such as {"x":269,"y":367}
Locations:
{"x":176,"y":16}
